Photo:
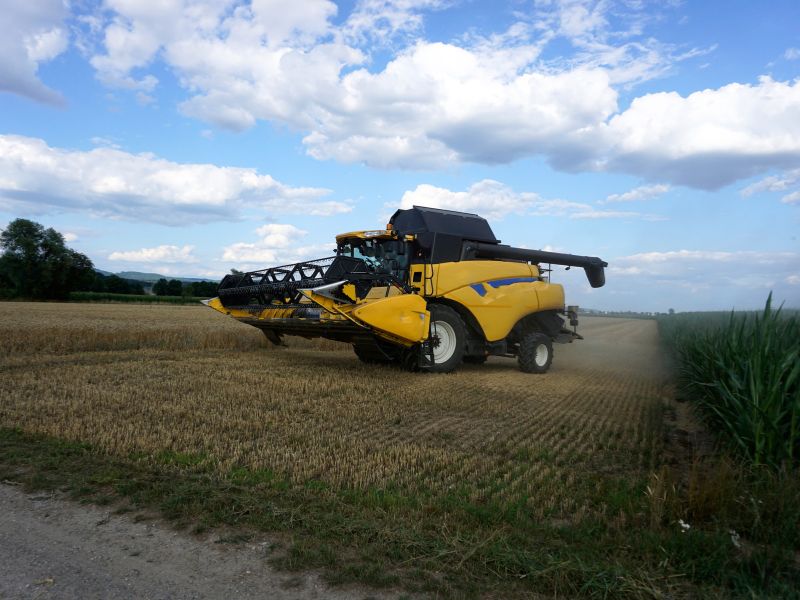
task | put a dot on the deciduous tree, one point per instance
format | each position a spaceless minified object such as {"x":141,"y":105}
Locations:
{"x":36,"y":263}
{"x":160,"y":287}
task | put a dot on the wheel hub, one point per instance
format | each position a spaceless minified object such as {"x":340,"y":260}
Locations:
{"x":443,"y":338}
{"x":541,"y":355}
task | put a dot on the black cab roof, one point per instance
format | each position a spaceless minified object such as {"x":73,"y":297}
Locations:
{"x":421,"y":219}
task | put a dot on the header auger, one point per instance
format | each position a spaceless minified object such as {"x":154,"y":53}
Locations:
{"x":432,"y":290}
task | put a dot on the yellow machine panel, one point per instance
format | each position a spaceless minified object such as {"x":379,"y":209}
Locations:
{"x":438,"y":280}
{"x":261,"y":314}
{"x":497,"y":293}
{"x":498,"y":304}
{"x":404,"y":317}
{"x":454,"y":275}
{"x":400,"y":318}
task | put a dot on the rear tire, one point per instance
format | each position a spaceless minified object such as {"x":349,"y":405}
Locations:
{"x":535,"y":353}
{"x":448,"y":338}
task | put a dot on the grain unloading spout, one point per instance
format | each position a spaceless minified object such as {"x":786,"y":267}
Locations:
{"x":593,"y":266}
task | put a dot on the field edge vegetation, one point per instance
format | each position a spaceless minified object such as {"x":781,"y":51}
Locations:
{"x":742,"y":372}
{"x":739,"y":372}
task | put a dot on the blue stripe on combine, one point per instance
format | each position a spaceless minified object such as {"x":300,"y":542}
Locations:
{"x":501,"y":282}
{"x":478,"y":287}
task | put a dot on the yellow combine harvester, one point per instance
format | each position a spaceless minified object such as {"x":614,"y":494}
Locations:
{"x":432,"y":290}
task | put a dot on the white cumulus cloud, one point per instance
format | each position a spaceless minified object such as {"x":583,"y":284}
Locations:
{"x":383,"y":19}
{"x":278,"y":235}
{"x":714,"y":279}
{"x":284,"y":19}
{"x":707,"y":139}
{"x":773,"y":183}
{"x":643,"y":192}
{"x":277,"y":243}
{"x":159,"y":254}
{"x":368,"y":87}
{"x":486,"y":99}
{"x":38,"y":178}
{"x":495,"y":200}
{"x":33,"y":33}
{"x":490,"y":199}
{"x":793,"y":198}
{"x":785,"y":182}
{"x":740,"y":267}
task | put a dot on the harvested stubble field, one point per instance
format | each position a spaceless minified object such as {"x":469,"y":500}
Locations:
{"x":486,"y":479}
{"x":188,"y":381}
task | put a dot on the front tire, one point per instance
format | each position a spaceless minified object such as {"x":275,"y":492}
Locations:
{"x":448,"y":338}
{"x":535,"y":353}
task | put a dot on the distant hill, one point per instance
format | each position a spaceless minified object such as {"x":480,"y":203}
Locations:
{"x":151,"y":277}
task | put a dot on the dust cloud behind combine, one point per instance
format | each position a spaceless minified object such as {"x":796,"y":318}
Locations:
{"x":626,"y":347}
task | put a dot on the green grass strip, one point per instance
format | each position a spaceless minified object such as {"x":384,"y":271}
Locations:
{"x":380,"y":537}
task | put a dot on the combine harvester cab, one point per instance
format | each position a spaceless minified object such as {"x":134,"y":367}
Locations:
{"x":432,"y":290}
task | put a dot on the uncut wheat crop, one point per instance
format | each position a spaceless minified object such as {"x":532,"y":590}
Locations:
{"x":141,"y":380}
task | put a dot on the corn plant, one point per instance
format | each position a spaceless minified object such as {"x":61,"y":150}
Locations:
{"x":744,"y":375}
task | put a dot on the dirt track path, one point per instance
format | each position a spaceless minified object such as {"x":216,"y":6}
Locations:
{"x":51,"y":548}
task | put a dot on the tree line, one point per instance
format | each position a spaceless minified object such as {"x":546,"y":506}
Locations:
{"x":175,"y":287}
{"x":37,"y":264}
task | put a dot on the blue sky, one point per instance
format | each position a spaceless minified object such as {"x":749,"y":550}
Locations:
{"x":189,"y":137}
